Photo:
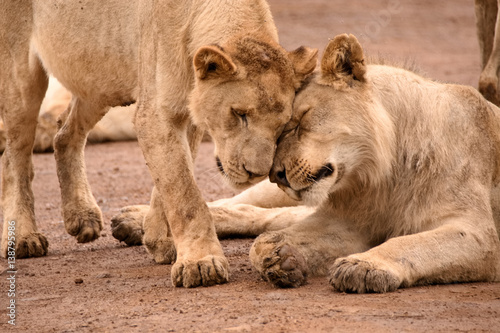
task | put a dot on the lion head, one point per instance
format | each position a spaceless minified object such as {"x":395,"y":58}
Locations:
{"x":243,"y":96}
{"x":339,"y":136}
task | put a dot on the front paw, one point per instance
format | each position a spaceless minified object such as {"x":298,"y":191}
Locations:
{"x":207,"y":271}
{"x":278,"y":262}
{"x":360,"y":276}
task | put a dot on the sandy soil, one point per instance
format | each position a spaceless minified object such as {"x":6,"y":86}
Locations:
{"x":105,"y":286}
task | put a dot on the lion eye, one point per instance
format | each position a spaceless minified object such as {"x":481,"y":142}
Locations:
{"x":241,"y":114}
{"x":287,"y":132}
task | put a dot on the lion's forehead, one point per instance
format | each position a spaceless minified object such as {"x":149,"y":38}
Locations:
{"x":260,"y":59}
{"x":272,"y":101}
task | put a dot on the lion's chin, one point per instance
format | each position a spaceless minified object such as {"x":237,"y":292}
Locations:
{"x":309,"y":196}
{"x":239,"y":185}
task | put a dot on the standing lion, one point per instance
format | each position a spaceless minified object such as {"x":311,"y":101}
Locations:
{"x":191,"y":66}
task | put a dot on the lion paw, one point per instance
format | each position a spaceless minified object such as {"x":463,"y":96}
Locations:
{"x":279,"y":263}
{"x":33,"y":245}
{"x":127,"y":225}
{"x":207,"y":271}
{"x":162,"y":249}
{"x":86,"y":226}
{"x":359,"y":276}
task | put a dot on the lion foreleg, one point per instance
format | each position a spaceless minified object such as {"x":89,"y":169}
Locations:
{"x":81,"y":214}
{"x":308,"y":247}
{"x":200,"y":260}
{"x":264,"y":194}
{"x":250,"y":221}
{"x":451,"y":253}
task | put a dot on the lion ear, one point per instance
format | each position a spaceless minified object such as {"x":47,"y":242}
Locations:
{"x":212,"y":62}
{"x":343,"y":59}
{"x":304,"y":60}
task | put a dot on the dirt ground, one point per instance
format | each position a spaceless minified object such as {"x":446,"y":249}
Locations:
{"x":105,"y":286}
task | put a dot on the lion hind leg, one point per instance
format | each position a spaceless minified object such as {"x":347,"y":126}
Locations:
{"x":23,"y":86}
{"x":157,"y":234}
{"x":81,"y":214}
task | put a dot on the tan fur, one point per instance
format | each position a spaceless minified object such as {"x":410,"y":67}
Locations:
{"x":488,"y":33}
{"x":406,"y":200}
{"x":190,"y":65}
{"x":116,"y":125}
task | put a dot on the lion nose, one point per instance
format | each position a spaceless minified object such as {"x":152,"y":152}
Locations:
{"x":279,"y":177}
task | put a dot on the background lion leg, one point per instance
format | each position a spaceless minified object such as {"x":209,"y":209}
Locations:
{"x":127,"y":226}
{"x":286,"y":257}
{"x":459,"y":252}
{"x":488,"y":30}
{"x":81,"y":214}
{"x":23,"y":83}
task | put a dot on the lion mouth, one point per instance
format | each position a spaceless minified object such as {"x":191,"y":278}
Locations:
{"x":325,"y":171}
{"x":239,"y":185}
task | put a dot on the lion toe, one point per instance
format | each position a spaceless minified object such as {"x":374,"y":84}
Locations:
{"x":208,"y":271}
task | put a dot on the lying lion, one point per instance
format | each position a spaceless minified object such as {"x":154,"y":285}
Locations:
{"x":400,"y":169}
{"x":191,"y":66}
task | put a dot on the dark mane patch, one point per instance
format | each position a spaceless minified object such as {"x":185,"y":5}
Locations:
{"x":258,"y":57}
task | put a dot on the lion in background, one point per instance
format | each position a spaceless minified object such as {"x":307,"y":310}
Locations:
{"x":116,"y":125}
{"x":400,"y":174}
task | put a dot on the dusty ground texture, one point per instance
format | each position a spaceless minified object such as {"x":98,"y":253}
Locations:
{"x":108,"y":287}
